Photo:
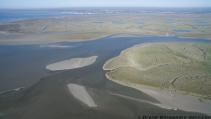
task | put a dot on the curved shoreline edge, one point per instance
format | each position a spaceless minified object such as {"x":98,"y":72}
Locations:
{"x":168,"y":100}
{"x":122,"y":52}
{"x":33,"y":39}
{"x":72,"y":63}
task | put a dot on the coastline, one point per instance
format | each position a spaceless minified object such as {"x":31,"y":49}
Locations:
{"x":42,"y":38}
{"x":174,"y":99}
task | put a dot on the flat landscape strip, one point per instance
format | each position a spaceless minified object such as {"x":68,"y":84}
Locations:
{"x":171,"y":100}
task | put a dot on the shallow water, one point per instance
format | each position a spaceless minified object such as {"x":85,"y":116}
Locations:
{"x":49,"y":98}
{"x":24,"y":65}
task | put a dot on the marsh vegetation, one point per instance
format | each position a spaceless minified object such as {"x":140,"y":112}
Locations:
{"x":174,"y":66}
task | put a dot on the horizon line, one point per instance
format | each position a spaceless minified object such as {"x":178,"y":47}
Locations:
{"x":196,"y":7}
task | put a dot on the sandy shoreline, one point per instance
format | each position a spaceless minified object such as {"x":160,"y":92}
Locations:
{"x":170,"y":99}
{"x":80,"y":93}
{"x":72,"y":63}
{"x":46,"y":38}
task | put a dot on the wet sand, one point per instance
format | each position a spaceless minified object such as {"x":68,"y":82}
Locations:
{"x":80,"y":93}
{"x":72,"y":63}
{"x":171,"y":99}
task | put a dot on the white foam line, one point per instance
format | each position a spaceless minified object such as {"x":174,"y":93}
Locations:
{"x":80,"y":93}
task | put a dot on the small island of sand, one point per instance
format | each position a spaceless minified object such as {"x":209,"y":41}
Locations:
{"x":80,"y":93}
{"x":72,"y":63}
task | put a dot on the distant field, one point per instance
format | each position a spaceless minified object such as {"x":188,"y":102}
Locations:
{"x":89,"y":27}
{"x":176,"y":66}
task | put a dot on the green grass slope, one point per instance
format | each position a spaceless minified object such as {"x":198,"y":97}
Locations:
{"x":180,"y":66}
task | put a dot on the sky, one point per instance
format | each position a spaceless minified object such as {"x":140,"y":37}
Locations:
{"x":102,"y":3}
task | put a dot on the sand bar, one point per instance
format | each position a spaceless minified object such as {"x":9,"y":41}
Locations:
{"x":81,"y":94}
{"x":72,"y":63}
{"x":56,"y":46}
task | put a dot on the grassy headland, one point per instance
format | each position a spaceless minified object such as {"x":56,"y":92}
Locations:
{"x":180,"y":66}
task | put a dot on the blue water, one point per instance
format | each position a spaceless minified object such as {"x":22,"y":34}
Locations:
{"x":10,"y":15}
{"x":183,"y":31}
{"x":24,"y":65}
{"x":13,"y":15}
{"x":32,"y":59}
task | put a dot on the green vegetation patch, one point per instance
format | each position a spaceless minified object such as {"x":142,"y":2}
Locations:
{"x":181,"y":66}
